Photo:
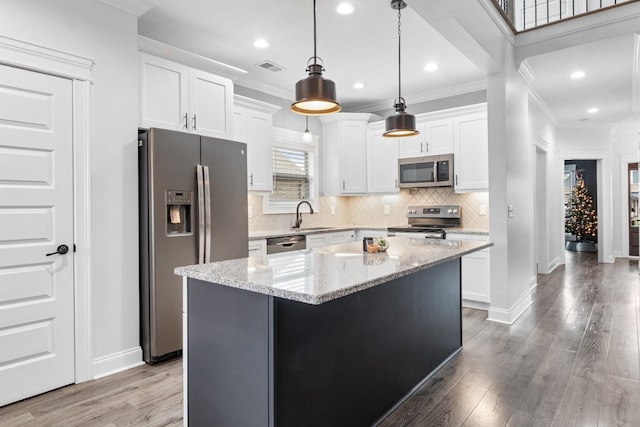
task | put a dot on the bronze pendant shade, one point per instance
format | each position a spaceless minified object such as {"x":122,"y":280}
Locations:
{"x":401,"y":123}
{"x":315,"y":95}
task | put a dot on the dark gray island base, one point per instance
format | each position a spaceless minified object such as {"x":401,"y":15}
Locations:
{"x":260,"y":360}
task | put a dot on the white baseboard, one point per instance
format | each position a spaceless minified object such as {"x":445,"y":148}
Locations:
{"x":475,"y":304}
{"x":116,"y":362}
{"x":533,"y":283}
{"x":553,"y":264}
{"x":509,"y":316}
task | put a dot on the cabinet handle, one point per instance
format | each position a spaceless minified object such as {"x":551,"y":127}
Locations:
{"x":186,"y":120}
{"x":343,"y":185}
{"x":396,"y":182}
{"x":456,"y":179}
{"x":421,"y":147}
{"x":251,"y":179}
{"x":427,"y":145}
{"x":194,"y":122}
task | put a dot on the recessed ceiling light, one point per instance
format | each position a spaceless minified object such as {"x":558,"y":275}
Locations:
{"x":345,"y":9}
{"x":592,"y":110}
{"x":578,"y":74}
{"x":358,"y":85}
{"x":261,"y":43}
{"x":431,"y":66}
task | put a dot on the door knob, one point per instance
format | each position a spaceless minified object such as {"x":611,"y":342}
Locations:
{"x":62,"y":249}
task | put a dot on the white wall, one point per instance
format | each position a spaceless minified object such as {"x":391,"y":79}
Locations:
{"x":624,"y":151}
{"x":510,"y":183}
{"x":94,"y":30}
{"x":543,"y":132}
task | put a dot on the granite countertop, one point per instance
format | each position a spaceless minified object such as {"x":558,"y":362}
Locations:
{"x":265,"y":234}
{"x":319,"y":275}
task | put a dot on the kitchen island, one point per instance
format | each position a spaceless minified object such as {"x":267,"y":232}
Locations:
{"x":330,"y":336}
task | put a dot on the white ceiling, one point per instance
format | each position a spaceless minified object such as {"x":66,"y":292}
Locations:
{"x":607,"y":85}
{"x":363,"y":47}
{"x":357,"y":47}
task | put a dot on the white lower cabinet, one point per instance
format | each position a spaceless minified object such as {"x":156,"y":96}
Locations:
{"x":257,"y":247}
{"x":361,"y":234}
{"x":476,"y":276}
{"x":324,"y":239}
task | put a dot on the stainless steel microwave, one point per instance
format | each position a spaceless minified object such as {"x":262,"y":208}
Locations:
{"x":428,"y":171}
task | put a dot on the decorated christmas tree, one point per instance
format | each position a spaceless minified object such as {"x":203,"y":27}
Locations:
{"x":581,"y":220}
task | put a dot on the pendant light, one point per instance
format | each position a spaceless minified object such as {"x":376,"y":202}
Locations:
{"x":315,"y":95}
{"x":306,"y":136}
{"x":401,"y":123}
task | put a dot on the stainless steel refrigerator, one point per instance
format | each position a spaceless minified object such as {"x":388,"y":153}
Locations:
{"x":193,"y":209}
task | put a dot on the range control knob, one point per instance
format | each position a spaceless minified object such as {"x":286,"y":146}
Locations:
{"x":455,"y":211}
{"x":450,"y":211}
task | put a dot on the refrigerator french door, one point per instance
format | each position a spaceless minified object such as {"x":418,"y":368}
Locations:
{"x":193,"y":209}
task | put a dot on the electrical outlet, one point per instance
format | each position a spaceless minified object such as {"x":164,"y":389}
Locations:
{"x":510,"y":211}
{"x":333,"y":210}
{"x":483,"y":210}
{"x":387,"y":210}
{"x":250,"y":212}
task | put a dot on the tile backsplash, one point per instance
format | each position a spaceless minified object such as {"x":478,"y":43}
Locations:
{"x":370,"y":210}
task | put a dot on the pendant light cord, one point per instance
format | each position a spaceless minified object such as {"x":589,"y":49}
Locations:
{"x":315,"y":55}
{"x":399,"y":62}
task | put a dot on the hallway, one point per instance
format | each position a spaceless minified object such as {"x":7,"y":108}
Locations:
{"x":570,"y":360}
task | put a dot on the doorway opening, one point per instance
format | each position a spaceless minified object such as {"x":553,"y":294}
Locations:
{"x":581,"y":205}
{"x":634,"y":221}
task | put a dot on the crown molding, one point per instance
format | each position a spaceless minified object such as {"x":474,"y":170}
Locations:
{"x":134,"y":7}
{"x":526,"y":72}
{"x":536,"y":100}
{"x":427,"y":96}
{"x":254,"y":104}
{"x":190,"y":59}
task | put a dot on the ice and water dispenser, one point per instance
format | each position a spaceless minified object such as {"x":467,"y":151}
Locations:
{"x":179,"y":209}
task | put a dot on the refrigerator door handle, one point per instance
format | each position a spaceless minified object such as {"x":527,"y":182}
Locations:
{"x":201,"y":222}
{"x":207,"y":202}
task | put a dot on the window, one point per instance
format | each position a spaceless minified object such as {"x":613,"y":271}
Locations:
{"x":294,"y":173}
{"x":290,"y":174}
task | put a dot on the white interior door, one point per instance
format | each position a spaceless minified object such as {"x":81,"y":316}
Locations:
{"x":36,"y":217}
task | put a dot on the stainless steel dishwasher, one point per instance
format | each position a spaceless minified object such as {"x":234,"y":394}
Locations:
{"x":286,"y":244}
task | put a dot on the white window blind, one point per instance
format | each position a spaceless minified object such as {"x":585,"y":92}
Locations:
{"x":290,"y":174}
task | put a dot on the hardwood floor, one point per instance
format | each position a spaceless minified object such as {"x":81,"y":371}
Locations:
{"x":571,"y":360}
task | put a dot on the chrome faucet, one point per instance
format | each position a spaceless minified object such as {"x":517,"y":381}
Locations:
{"x":299,"y":215}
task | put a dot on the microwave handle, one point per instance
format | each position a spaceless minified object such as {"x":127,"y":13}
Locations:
{"x":435,"y":171}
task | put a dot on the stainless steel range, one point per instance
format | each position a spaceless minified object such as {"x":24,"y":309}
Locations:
{"x":429,"y":221}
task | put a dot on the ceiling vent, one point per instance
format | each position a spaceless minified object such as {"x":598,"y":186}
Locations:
{"x":270,"y":65}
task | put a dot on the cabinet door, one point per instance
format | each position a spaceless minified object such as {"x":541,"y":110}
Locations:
{"x":353,"y":148}
{"x":412,"y":146}
{"x":257,"y":247}
{"x":471,"y":161}
{"x":210,"y":104}
{"x":475,"y":277}
{"x":164,"y":93}
{"x":335,"y":238}
{"x":382,"y":163}
{"x":255,"y":128}
{"x":316,"y":240}
{"x":438,"y":137}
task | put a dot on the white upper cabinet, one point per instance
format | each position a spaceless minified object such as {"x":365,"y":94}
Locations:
{"x":471,"y":156}
{"x":177,"y":97}
{"x":344,"y":138}
{"x":253,"y":125}
{"x":382,"y":161}
{"x":436,"y":137}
